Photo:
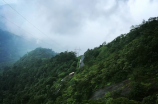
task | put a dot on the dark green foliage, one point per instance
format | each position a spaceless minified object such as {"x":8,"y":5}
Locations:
{"x":138,"y":92}
{"x":126,"y":68}
{"x":35,"y":78}
{"x":120,"y":100}
{"x":150,"y":100}
{"x":131,"y":56}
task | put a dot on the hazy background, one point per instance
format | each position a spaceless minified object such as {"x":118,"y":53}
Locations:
{"x":64,"y":25}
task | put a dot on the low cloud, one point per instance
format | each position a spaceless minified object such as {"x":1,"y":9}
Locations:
{"x":69,"y":24}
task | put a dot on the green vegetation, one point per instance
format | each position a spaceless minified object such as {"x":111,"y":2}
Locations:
{"x":35,"y":79}
{"x":125,"y":68}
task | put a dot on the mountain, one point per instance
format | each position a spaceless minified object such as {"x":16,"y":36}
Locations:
{"x":34,"y":74}
{"x":12,"y":47}
{"x":38,"y":55}
{"x":123,"y":71}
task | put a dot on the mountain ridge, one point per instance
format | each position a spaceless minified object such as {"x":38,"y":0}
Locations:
{"x":123,"y":71}
{"x":12,"y":47}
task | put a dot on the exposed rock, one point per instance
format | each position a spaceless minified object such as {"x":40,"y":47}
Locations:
{"x":81,"y":61}
{"x":123,"y":88}
{"x":72,"y":73}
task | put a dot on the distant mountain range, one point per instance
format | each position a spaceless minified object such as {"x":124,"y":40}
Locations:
{"x":12,"y":47}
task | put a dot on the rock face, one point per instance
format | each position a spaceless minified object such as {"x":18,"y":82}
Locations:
{"x":72,"y":73}
{"x":63,"y":80}
{"x":81,"y":61}
{"x":122,"y":88}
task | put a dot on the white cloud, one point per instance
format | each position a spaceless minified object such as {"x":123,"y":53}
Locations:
{"x":65,"y":25}
{"x":2,"y":2}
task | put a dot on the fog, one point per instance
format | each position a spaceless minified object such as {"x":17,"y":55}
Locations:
{"x":65,"y":25}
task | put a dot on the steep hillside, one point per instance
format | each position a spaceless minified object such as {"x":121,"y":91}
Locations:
{"x":123,"y":71}
{"x":35,"y":78}
{"x":130,"y":58}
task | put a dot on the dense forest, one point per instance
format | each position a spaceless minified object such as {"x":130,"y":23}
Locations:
{"x":124,"y":71}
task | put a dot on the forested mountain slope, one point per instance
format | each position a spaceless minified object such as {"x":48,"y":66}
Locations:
{"x":124,"y":70}
{"x":35,"y":78}
{"x":130,"y":58}
{"x":37,"y":54}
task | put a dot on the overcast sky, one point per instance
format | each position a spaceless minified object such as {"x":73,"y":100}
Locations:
{"x":68,"y":24}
